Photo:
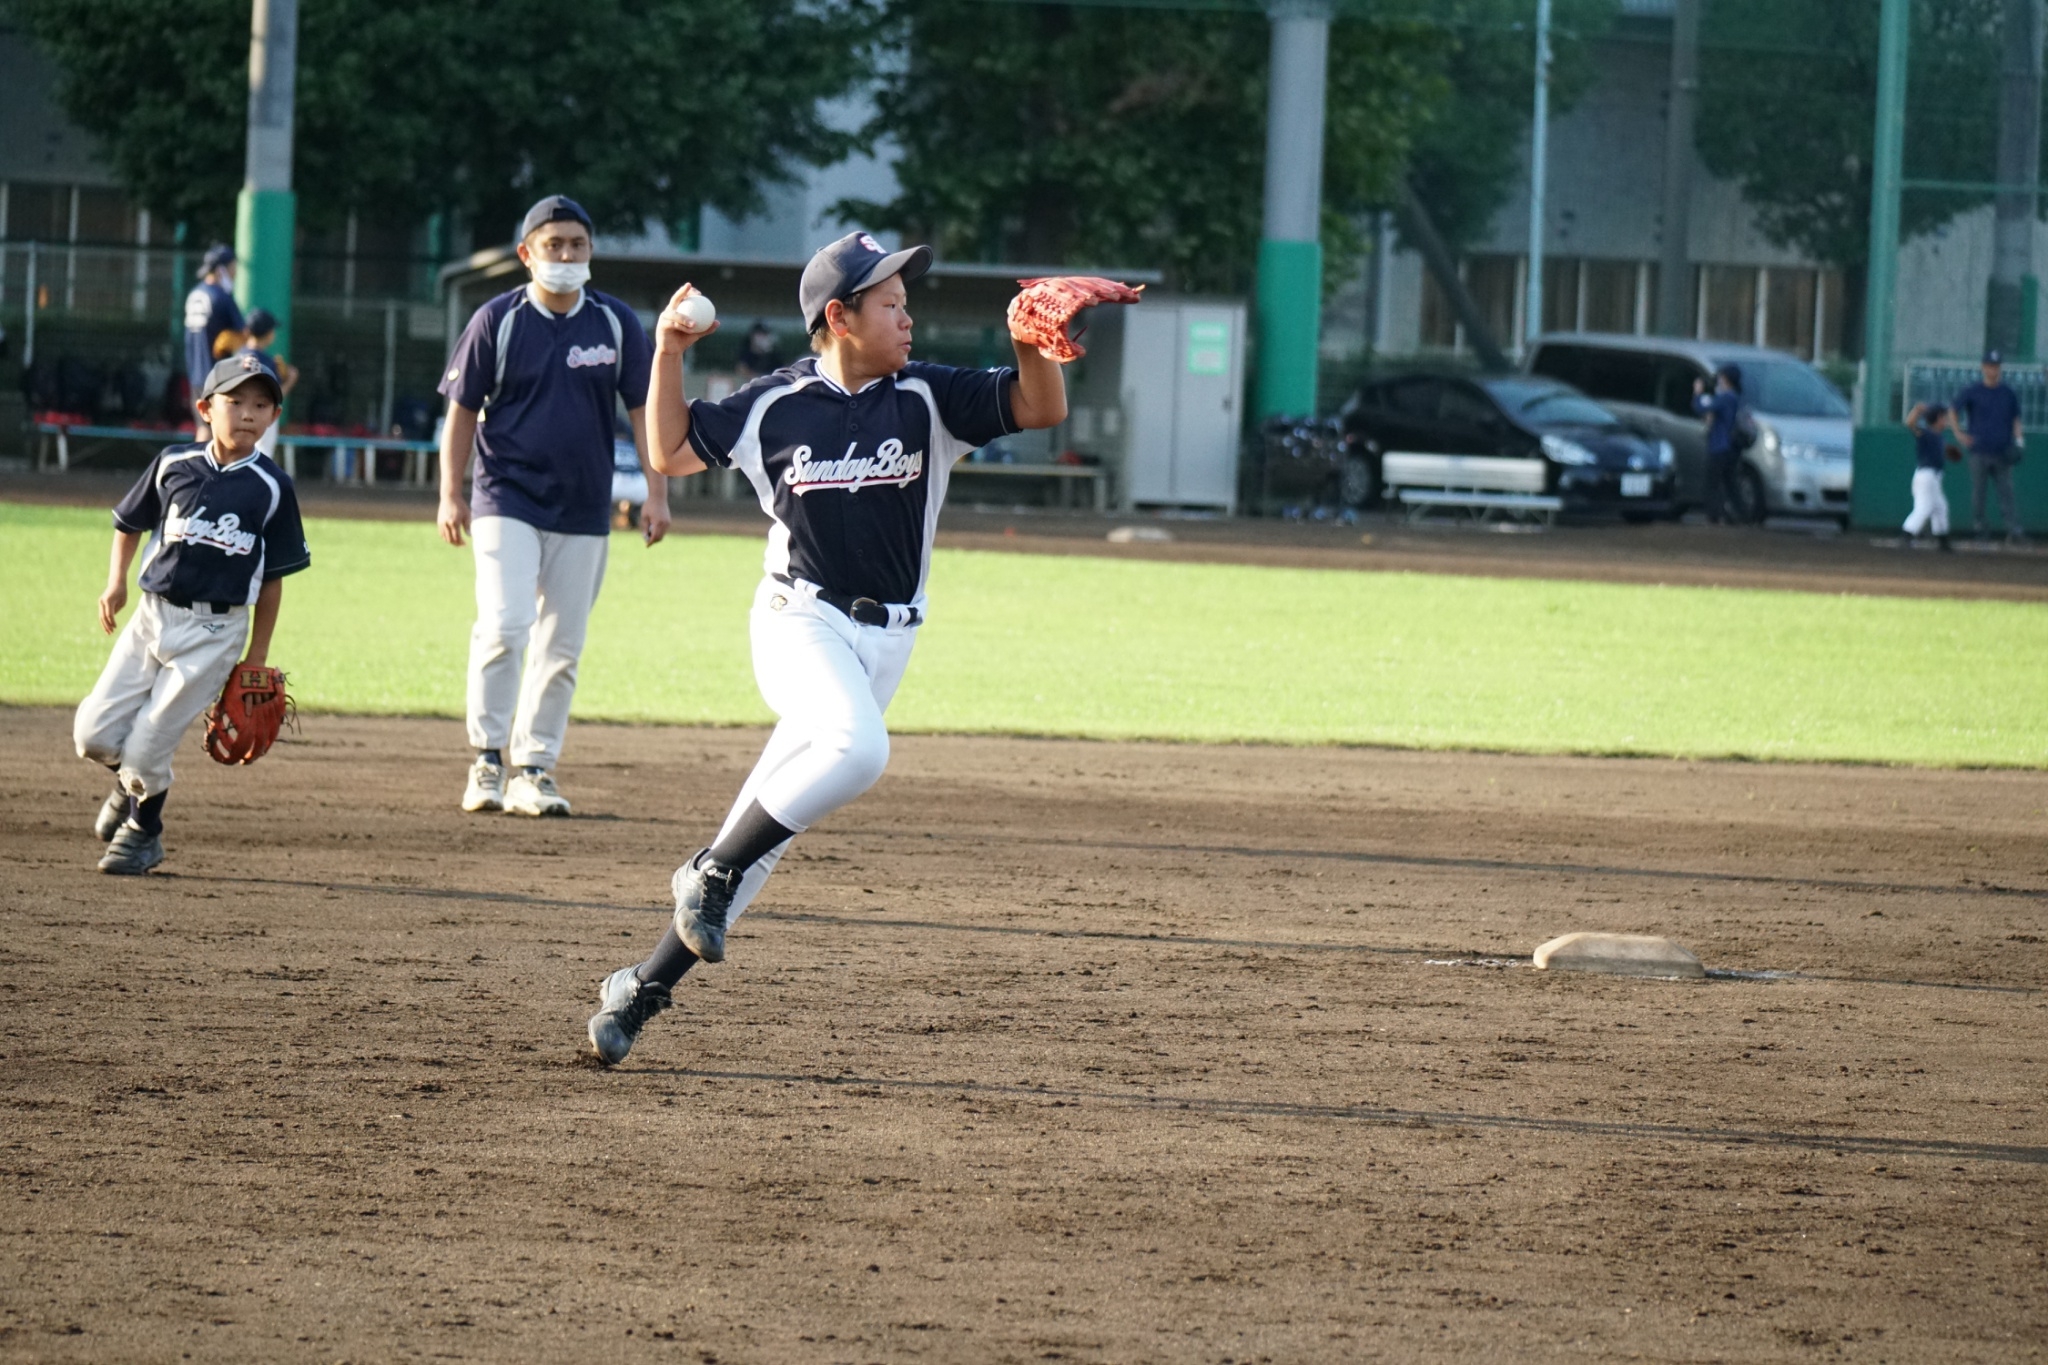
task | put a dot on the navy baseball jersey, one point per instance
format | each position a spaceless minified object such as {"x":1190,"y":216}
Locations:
{"x":210,"y":309}
{"x":217,"y":534}
{"x":1988,"y":412}
{"x":545,"y":386}
{"x":854,"y":481}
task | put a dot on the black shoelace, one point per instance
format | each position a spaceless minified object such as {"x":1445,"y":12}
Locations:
{"x":651,"y":999}
{"x":721,"y":884}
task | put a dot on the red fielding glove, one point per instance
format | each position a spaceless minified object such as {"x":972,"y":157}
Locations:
{"x":1041,"y":311}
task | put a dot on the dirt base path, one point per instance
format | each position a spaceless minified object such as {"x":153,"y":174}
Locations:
{"x":1814,"y":559}
{"x":1041,"y":1051}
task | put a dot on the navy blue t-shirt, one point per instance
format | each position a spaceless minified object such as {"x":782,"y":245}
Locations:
{"x":216,"y":535}
{"x":210,"y":309}
{"x":854,"y":482}
{"x":1721,"y":408}
{"x":1989,"y":410}
{"x":545,"y":387}
{"x":1930,"y":449}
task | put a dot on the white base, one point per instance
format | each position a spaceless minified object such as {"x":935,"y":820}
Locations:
{"x":1618,"y":955}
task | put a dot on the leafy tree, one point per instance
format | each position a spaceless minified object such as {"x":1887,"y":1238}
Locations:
{"x":1087,"y":132}
{"x":1473,"y":150}
{"x":1081,"y":133}
{"x":640,"y":108}
{"x":1788,"y":100}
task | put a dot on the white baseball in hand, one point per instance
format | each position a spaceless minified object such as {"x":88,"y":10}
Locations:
{"x":697,"y":312}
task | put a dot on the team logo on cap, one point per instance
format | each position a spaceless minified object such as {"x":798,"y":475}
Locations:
{"x":249,"y":363}
{"x":871,"y":244}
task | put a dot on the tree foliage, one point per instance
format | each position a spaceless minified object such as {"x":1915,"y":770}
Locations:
{"x":641,"y":109}
{"x":1073,"y":134}
{"x":1788,"y":102}
{"x":1076,"y":133}
{"x":1472,"y":151}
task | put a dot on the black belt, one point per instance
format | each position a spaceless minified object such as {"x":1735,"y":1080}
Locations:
{"x":217,"y":608}
{"x":864,"y":610}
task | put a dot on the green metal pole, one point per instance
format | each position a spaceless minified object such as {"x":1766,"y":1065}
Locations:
{"x":1879,"y":323}
{"x":1290,"y":279}
{"x":266,"y":211}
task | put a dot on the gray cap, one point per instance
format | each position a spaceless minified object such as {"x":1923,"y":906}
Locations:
{"x":239,"y":369}
{"x":851,"y":264}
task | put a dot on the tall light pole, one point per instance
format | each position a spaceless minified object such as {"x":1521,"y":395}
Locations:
{"x":1539,"y":158}
{"x":266,"y":211}
{"x":1290,"y":284}
{"x":2009,"y":321}
{"x":1674,"y":264}
{"x":1888,"y":153}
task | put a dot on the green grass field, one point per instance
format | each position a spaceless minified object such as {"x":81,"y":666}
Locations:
{"x":1118,"y":649}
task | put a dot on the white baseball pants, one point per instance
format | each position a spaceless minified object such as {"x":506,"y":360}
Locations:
{"x":534,"y":592}
{"x":169,"y":664}
{"x":829,"y":679}
{"x":1930,"y":504}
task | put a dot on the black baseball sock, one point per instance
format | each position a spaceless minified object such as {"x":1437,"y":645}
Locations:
{"x":752,"y":837}
{"x":671,"y":959}
{"x":148,"y":815}
{"x":495,"y":757}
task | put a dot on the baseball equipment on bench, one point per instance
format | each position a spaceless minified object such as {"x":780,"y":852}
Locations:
{"x":253,"y":707}
{"x":1040,"y":313}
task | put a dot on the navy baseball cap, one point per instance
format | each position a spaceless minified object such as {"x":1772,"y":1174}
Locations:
{"x":1993,"y":358}
{"x":217,"y":255}
{"x":849,"y":265}
{"x":262,"y":322}
{"x":556,"y":208}
{"x":237,"y":370}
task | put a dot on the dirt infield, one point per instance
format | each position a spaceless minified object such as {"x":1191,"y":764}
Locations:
{"x":1041,"y":1051}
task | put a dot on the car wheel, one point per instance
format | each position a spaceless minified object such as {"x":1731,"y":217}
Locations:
{"x":1751,"y":507}
{"x":1360,"y":486}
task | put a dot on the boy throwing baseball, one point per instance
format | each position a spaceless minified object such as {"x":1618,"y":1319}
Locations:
{"x":849,"y":452}
{"x":224,"y":532}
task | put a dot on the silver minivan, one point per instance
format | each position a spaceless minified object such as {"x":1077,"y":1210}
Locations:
{"x":1800,"y":462}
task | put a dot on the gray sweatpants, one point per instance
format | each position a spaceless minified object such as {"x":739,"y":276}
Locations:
{"x":1995,"y":470}
{"x":534,"y":592}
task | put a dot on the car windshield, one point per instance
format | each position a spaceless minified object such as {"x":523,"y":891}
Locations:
{"x":1549,"y":404}
{"x":1789,"y":389}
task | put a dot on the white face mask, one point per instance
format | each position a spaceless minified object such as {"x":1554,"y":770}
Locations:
{"x":561,"y":277}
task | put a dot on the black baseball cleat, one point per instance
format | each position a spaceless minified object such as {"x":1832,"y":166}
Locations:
{"x":704,"y":891}
{"x":113,"y":814}
{"x":625,"y":1003}
{"x":130,"y":853}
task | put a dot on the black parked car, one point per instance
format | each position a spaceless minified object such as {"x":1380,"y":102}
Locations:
{"x":1596,"y":462}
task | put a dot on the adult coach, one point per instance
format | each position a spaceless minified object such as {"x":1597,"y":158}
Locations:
{"x":1994,"y":437}
{"x":849,"y":453}
{"x":532,"y":390}
{"x":214,"y":325}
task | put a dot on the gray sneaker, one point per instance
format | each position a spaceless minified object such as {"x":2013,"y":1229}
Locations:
{"x":113,"y":814}
{"x":486,"y":787}
{"x":130,"y":853}
{"x":534,"y":793}
{"x":625,"y":1004}
{"x":704,"y":891}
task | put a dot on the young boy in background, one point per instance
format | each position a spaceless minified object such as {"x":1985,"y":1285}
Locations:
{"x":224,"y":531}
{"x":262,"y":337}
{"x":1930,"y":423}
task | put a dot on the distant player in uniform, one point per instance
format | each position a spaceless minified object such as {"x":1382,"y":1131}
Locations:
{"x":849,"y":452}
{"x":223,"y":523}
{"x":1929,"y":423}
{"x":262,"y":338}
{"x":533,"y":389}
{"x":214,"y":326}
{"x":1995,"y":437}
